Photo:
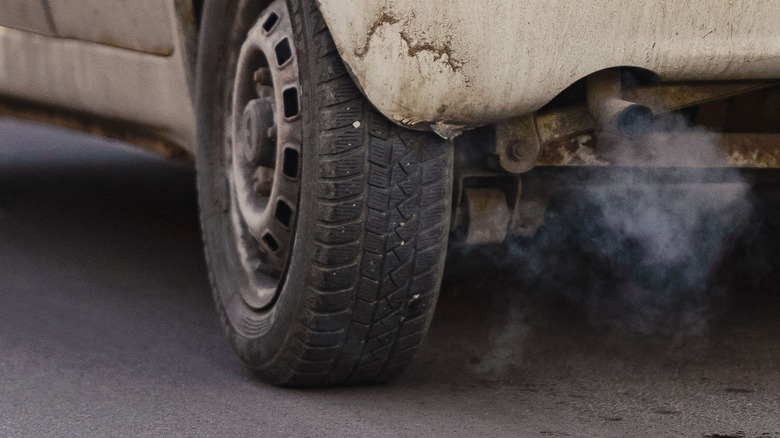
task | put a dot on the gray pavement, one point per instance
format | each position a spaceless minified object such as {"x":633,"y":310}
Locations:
{"x":107,"y":326}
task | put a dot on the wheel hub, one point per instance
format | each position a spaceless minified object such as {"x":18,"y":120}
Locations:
{"x":259,"y":139}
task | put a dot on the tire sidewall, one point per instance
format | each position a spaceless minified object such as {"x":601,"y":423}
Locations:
{"x":265,"y":349}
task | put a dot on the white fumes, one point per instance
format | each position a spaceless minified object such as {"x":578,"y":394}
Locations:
{"x":638,"y":254}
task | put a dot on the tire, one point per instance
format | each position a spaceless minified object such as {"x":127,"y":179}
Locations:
{"x":368,"y":230}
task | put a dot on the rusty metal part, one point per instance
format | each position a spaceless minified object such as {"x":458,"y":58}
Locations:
{"x":471,"y":173}
{"x":517,"y":144}
{"x":570,"y":137}
{"x":667,"y":149}
{"x":573,"y":151}
{"x":667,"y":97}
{"x":145,"y":136}
{"x":757,"y":151}
{"x":561,"y":123}
{"x":565,"y":122}
{"x":488,"y":216}
{"x":611,"y":112}
{"x":533,"y":196}
{"x":471,"y":167}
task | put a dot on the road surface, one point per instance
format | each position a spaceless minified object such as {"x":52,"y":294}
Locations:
{"x":107,"y":326}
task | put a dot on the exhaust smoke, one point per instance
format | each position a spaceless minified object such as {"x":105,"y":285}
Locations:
{"x":650,"y":249}
{"x":637,"y":256}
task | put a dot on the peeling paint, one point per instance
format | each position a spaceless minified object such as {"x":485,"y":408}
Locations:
{"x":576,"y":151}
{"x":447,"y":131}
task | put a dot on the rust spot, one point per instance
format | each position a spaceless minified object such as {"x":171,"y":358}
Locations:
{"x":384,"y":18}
{"x":144,"y":136}
{"x":574,"y":151}
{"x":760,"y":151}
{"x":440,"y":51}
{"x":741,"y":150}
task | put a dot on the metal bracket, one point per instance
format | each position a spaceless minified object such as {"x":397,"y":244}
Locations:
{"x":517,"y":144}
{"x":488,"y":216}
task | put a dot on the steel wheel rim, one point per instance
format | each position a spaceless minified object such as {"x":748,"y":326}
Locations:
{"x":264,"y":154}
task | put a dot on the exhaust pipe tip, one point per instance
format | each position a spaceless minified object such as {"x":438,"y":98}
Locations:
{"x":634,"y":121}
{"x":628,"y":119}
{"x":611,"y":112}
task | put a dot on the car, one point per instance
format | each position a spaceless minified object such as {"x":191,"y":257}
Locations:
{"x":341,"y":145}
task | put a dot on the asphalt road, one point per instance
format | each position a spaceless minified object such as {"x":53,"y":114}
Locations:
{"x":107,"y":326}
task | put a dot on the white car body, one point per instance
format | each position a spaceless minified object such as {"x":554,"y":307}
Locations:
{"x":120,"y":60}
{"x":444,"y":65}
{"x":465,"y":62}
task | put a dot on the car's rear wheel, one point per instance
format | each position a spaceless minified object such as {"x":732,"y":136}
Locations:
{"x":325,"y":225}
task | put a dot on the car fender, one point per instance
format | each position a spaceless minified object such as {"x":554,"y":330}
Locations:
{"x":450,"y":64}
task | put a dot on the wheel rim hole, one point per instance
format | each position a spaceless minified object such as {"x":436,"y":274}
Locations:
{"x":283,"y":213}
{"x":290,"y":164}
{"x":290,"y":102}
{"x":283,"y":51}
{"x":270,"y":22}
{"x":271,"y":242}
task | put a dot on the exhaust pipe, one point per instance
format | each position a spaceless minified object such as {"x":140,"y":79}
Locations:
{"x":613,"y":114}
